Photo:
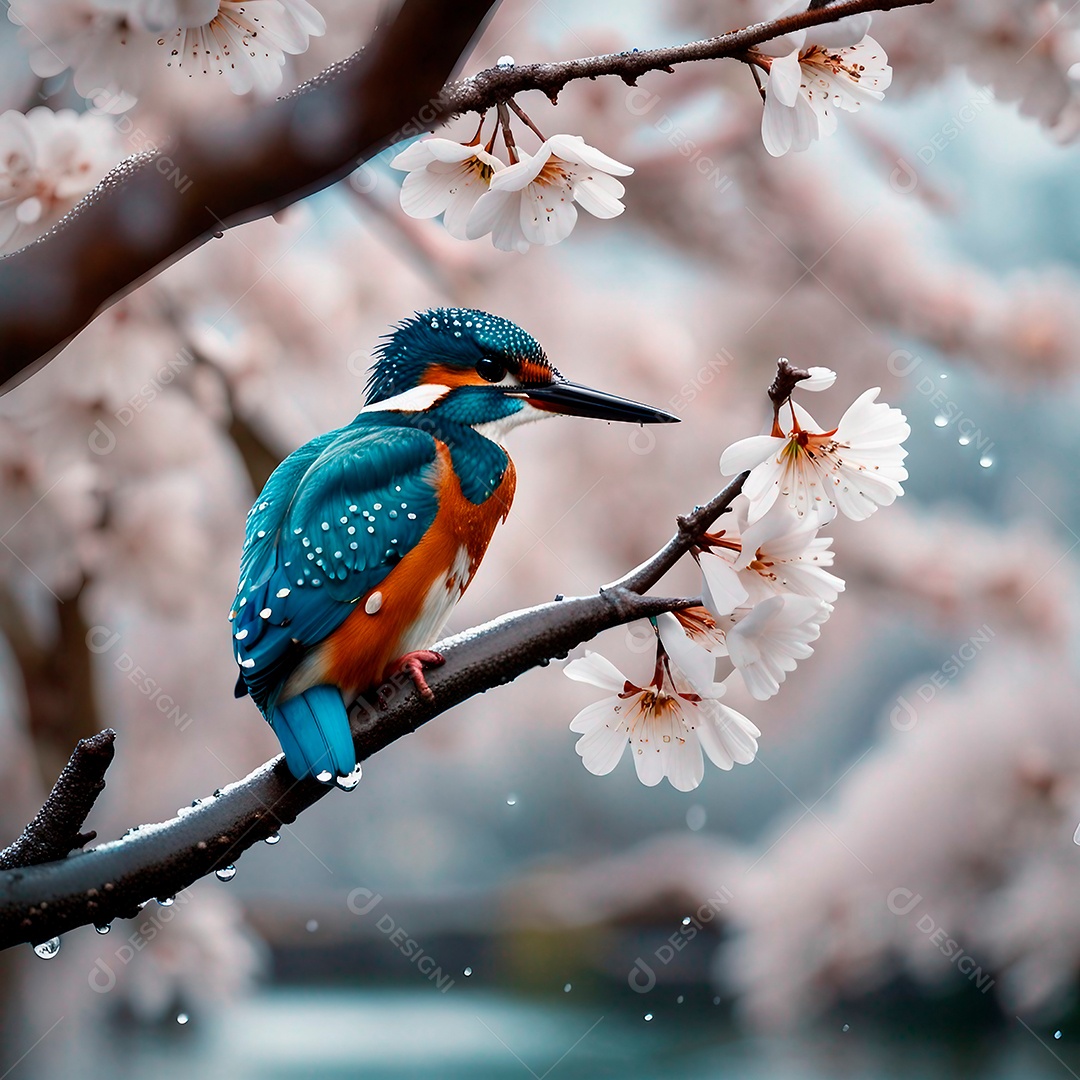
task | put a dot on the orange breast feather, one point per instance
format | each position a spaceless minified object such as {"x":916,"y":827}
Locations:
{"x":418,"y":595}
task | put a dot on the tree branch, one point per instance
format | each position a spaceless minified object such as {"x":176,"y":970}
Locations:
{"x":55,"y":830}
{"x":154,"y":208}
{"x":112,"y":880}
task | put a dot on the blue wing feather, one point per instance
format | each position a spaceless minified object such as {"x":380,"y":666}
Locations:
{"x":333,"y":520}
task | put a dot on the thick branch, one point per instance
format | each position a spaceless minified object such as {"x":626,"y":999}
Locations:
{"x":112,"y":880}
{"x":156,"y":207}
{"x":56,"y":829}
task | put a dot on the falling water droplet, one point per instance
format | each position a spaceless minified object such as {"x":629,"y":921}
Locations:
{"x":648,"y":1016}
{"x":311,"y":925}
{"x":964,"y":440}
{"x":511,"y":800}
{"x":181,"y":1018}
{"x":1057,"y":1034}
{"x":567,"y":988}
{"x":986,"y":461}
{"x":348,"y":783}
{"x":468,"y":972}
{"x":166,"y":901}
{"x":941,"y":420}
{"x":846,"y":1027}
{"x":272,"y":839}
{"x":48,"y":949}
{"x":226,"y":873}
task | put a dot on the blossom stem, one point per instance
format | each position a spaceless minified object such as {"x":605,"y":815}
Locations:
{"x":523,"y":116}
{"x":508,"y":135}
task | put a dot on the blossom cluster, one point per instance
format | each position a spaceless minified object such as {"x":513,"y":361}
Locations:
{"x":111,"y":46}
{"x":766,"y":592}
{"x":532,"y":200}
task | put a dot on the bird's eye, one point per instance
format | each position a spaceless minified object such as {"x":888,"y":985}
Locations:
{"x":491,"y":370}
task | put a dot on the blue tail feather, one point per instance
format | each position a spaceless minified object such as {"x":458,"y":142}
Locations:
{"x":313,"y":729}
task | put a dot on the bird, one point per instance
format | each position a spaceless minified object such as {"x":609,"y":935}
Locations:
{"x":364,"y":539}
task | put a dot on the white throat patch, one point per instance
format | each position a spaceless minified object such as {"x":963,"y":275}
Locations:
{"x":496,"y":430}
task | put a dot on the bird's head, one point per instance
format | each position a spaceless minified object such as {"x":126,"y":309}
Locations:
{"x":484,"y":371}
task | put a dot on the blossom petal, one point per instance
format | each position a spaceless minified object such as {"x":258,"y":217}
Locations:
{"x":596,"y":670}
{"x":725,"y":591}
{"x":748,"y":453}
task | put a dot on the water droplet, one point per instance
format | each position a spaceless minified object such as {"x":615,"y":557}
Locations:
{"x":716,"y":1001}
{"x":941,"y":420}
{"x":1057,"y":1034}
{"x":986,"y":461}
{"x":104,"y":928}
{"x":511,"y":800}
{"x":273,"y":838}
{"x":679,"y":1000}
{"x":505,"y":61}
{"x":181,"y":1018}
{"x":648,"y":1016}
{"x":226,"y":873}
{"x":964,"y":440}
{"x":48,"y":949}
{"x":696,"y":817}
{"x":943,"y":376}
{"x":686,"y":921}
{"x":166,"y":901}
{"x":311,"y":925}
{"x":324,"y":777}
{"x":1076,"y":835}
{"x":567,"y":988}
{"x":468,"y":972}
{"x":349,"y":783}
{"x":846,"y":1027}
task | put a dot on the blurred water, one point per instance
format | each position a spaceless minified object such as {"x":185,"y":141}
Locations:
{"x":467,"y":1032}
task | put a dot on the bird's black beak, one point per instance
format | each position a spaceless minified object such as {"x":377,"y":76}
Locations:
{"x":575,"y":400}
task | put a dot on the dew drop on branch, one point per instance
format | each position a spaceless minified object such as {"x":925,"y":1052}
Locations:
{"x":48,"y":949}
{"x":226,"y":873}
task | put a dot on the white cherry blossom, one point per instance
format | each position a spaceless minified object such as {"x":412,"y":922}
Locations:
{"x":48,"y":161}
{"x":244,"y":42}
{"x":856,"y":467}
{"x":667,"y":725}
{"x":445,"y":177}
{"x":836,"y":66}
{"x":535,"y":200}
{"x":771,"y":638}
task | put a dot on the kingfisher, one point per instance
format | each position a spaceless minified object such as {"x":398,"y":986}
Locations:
{"x":364,"y":539}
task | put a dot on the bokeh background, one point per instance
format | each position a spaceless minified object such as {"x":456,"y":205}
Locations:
{"x":891,"y":889}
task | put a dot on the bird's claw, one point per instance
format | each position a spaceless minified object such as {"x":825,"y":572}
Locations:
{"x":413,"y":664}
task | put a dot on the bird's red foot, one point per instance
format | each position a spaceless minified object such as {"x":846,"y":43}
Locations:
{"x":413,"y":664}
